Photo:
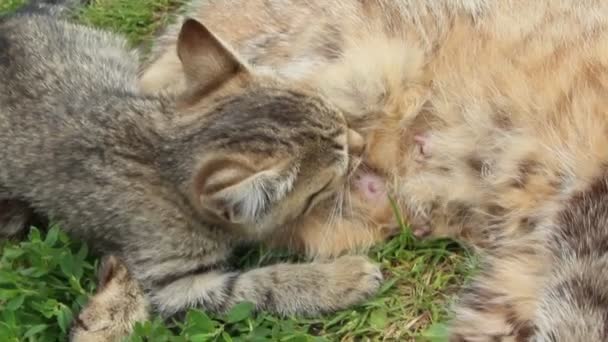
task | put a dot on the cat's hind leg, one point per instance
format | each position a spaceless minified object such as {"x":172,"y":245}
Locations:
{"x":14,"y":218}
{"x":501,"y":301}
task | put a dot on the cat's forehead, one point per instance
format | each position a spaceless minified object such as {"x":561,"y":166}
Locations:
{"x":282,"y":106}
{"x":274,"y":120}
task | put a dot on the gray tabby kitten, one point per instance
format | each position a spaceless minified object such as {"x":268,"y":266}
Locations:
{"x":172,"y":186}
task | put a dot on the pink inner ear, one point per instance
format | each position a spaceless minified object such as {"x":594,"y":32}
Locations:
{"x":371,"y":186}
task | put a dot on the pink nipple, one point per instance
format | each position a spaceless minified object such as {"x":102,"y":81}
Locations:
{"x":370,"y":185}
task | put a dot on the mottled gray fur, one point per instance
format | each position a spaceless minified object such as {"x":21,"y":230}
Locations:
{"x":574,"y":302}
{"x":172,"y":186}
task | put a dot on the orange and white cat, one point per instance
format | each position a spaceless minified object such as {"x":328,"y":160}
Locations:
{"x":487,"y":120}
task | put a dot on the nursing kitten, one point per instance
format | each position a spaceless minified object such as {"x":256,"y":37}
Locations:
{"x":488,"y":120}
{"x":171,"y":186}
{"x":279,"y":40}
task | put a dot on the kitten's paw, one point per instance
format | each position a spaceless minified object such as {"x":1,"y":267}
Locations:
{"x":356,"y":279}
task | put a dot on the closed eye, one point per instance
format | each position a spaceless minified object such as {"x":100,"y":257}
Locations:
{"x":311,"y":199}
{"x":340,"y":148}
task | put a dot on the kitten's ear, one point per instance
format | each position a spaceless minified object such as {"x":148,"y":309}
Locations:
{"x":206,"y":61}
{"x":111,"y":269}
{"x":237,"y":194}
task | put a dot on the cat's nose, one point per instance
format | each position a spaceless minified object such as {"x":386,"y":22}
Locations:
{"x":356,"y":143}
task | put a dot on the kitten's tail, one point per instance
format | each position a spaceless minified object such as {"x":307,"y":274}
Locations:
{"x":55,"y":8}
{"x":574,"y":304}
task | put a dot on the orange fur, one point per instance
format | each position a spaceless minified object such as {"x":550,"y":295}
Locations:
{"x":511,"y":94}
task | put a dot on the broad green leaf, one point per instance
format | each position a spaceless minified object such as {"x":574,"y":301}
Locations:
{"x":82,"y":252}
{"x":298,"y":338}
{"x":201,"y":338}
{"x":261,"y":332}
{"x":7,"y":277}
{"x":15,"y":303}
{"x":51,"y":237}
{"x":34,"y":235}
{"x":226,"y":337}
{"x":378,"y":319}
{"x":199,"y":322}
{"x":66,"y":263}
{"x":33,"y":272}
{"x":437,"y":332}
{"x":240,"y":312}
{"x":12,"y":253}
{"x":36,"y":329}
{"x":6,"y":333}
{"x":64,"y":317}
{"x":8,"y":316}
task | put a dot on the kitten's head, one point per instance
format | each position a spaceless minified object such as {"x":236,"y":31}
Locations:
{"x":113,"y":310}
{"x":272,"y":151}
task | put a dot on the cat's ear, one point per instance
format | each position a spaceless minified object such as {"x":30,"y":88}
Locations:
{"x":238,"y":194}
{"x":206,"y":61}
{"x":112,"y":269}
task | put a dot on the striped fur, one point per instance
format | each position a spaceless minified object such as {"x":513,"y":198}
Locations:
{"x":172,"y":184}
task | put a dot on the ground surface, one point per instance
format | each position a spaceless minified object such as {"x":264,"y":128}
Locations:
{"x":47,"y":278}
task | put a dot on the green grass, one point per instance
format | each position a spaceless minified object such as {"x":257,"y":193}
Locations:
{"x":46,"y":279}
{"x":9,"y":5}
{"x":138,"y":20}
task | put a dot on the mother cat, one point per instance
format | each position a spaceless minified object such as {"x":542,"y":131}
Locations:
{"x":488,"y":121}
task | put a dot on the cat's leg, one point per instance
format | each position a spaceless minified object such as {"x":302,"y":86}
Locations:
{"x":14,"y":218}
{"x":283,"y":289}
{"x":501,"y":301}
{"x":573,"y":306}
